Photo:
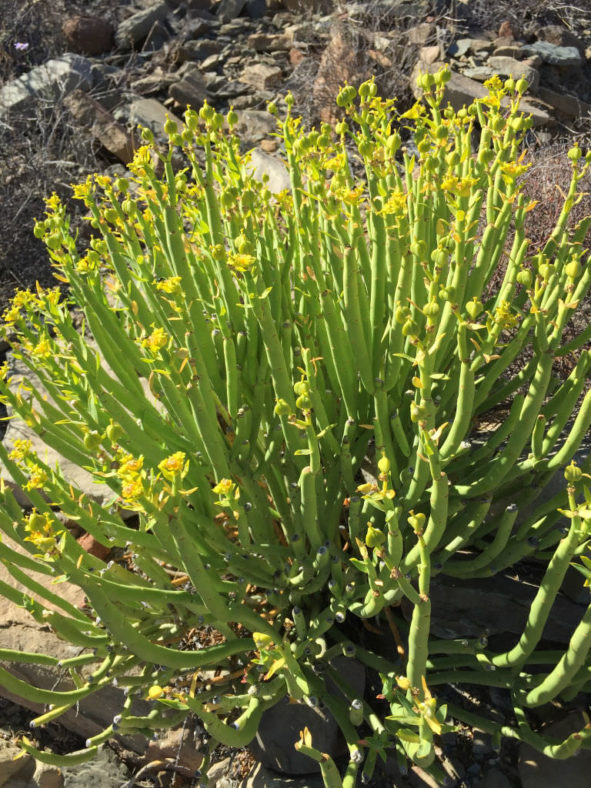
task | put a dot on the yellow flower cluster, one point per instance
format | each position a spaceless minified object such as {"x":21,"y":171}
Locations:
{"x":131,"y":473}
{"x":174,"y":467}
{"x":240,"y":262}
{"x":40,"y":530}
{"x":157,"y":340}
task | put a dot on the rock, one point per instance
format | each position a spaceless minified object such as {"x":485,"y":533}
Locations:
{"x":261,"y":777}
{"x":421,"y":34}
{"x":156,"y":38}
{"x":468,"y":608}
{"x":137,"y":26}
{"x":261,"y":76}
{"x":262,"y":166}
{"x":494,"y":778}
{"x":479,"y":73}
{"x":555,"y":55}
{"x":48,"y":776}
{"x":93,"y":546}
{"x":263,"y":42}
{"x":88,"y":35}
{"x":296,"y":56}
{"x":152,"y":114}
{"x":254,"y":125}
{"x":11,"y":770}
{"x":104,"y":771}
{"x":561,"y":37}
{"x":190,"y":90}
{"x":342,"y":61}
{"x":256,"y":9}
{"x":102,"y":125}
{"x":54,"y":79}
{"x":430,"y":55}
{"x":538,"y":771}
{"x":229,"y":9}
{"x":199,"y":50}
{"x":461,"y":91}
{"x":509,"y":67}
{"x":569,"y":106}
{"x":280,"y":726}
{"x":465,"y":45}
{"x":216,"y":774}
{"x":177,"y":745}
{"x":512,"y":50}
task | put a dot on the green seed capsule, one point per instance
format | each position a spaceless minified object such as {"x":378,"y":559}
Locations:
{"x":374,"y":537}
{"x":384,"y":465}
{"x":114,"y":432}
{"x":282,"y":408}
{"x":92,"y":440}
{"x":573,"y":473}
{"x":304,"y":402}
{"x":474,"y":308}
{"x":525,"y":278}
{"x":573,"y":269}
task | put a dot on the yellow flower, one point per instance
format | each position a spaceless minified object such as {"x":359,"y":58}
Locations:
{"x":395,"y":204}
{"x":173,"y":466}
{"x":170,"y":285}
{"x":20,"y":449}
{"x":37,"y":479}
{"x":240,"y":262}
{"x":132,"y":490}
{"x":43,"y":349}
{"x":224,"y":487}
{"x":53,"y":202}
{"x":130,"y":466}
{"x":156,"y":341}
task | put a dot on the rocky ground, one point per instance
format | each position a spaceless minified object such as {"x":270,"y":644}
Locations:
{"x":78,"y":78}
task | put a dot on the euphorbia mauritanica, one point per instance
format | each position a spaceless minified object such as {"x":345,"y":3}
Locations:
{"x":243,"y":354}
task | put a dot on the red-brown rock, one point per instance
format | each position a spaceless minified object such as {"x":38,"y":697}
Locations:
{"x":88,"y":35}
{"x":92,"y":546}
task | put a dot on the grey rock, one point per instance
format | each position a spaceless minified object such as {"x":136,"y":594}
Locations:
{"x":512,"y":50}
{"x":199,"y":49}
{"x":261,"y":76}
{"x":479,"y":73}
{"x":104,"y":771}
{"x":137,"y":26}
{"x":465,"y":45}
{"x":256,"y":9}
{"x":230,"y":9}
{"x":421,"y":34}
{"x":52,"y":80}
{"x":254,"y":125}
{"x":468,"y":608}
{"x":190,"y":90}
{"x":262,"y":777}
{"x":280,"y":726}
{"x":555,"y":55}
{"x":461,"y":91}
{"x":269,"y":169}
{"x":510,"y":67}
{"x":102,"y":125}
{"x":538,"y":771}
{"x":48,"y":776}
{"x":156,"y":38}
{"x":570,"y":106}
{"x":150,"y":113}
{"x":494,"y":778}
{"x":263,"y":42}
{"x":12,"y":770}
{"x":562,"y":37}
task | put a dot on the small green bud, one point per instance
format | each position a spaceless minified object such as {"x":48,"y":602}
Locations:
{"x":521,"y":85}
{"x":525,"y":278}
{"x":417,"y":521}
{"x":206,"y":113}
{"x":282,"y":408}
{"x":122,"y":184}
{"x":92,"y":440}
{"x":452,"y":158}
{"x":418,"y":412}
{"x":54,"y":241}
{"x":346,"y":96}
{"x":409,"y":328}
{"x":574,"y":154}
{"x":401,"y":314}
{"x":304,"y":402}
{"x":114,"y":432}
{"x":341,"y":128}
{"x":301,"y":387}
{"x":474,"y":308}
{"x":232,"y":117}
{"x":272,"y":108}
{"x":289,"y":100}
{"x":111,"y":215}
{"x":148,"y":136}
{"x":374,"y":537}
{"x":39,"y":229}
{"x":191,"y":119}
{"x":170,"y":126}
{"x":510,"y":85}
{"x":573,"y":269}
{"x":393,"y":143}
{"x":573,"y":473}
{"x":384,"y":465}
{"x":431,"y":309}
{"x":366,"y":148}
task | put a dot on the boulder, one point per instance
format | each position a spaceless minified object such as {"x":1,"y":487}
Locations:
{"x":137,"y":26}
{"x":89,"y":35}
{"x":13,"y":765}
{"x":53,"y":80}
{"x":261,"y":76}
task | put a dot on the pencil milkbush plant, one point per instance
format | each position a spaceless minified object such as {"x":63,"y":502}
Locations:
{"x":243,"y":354}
